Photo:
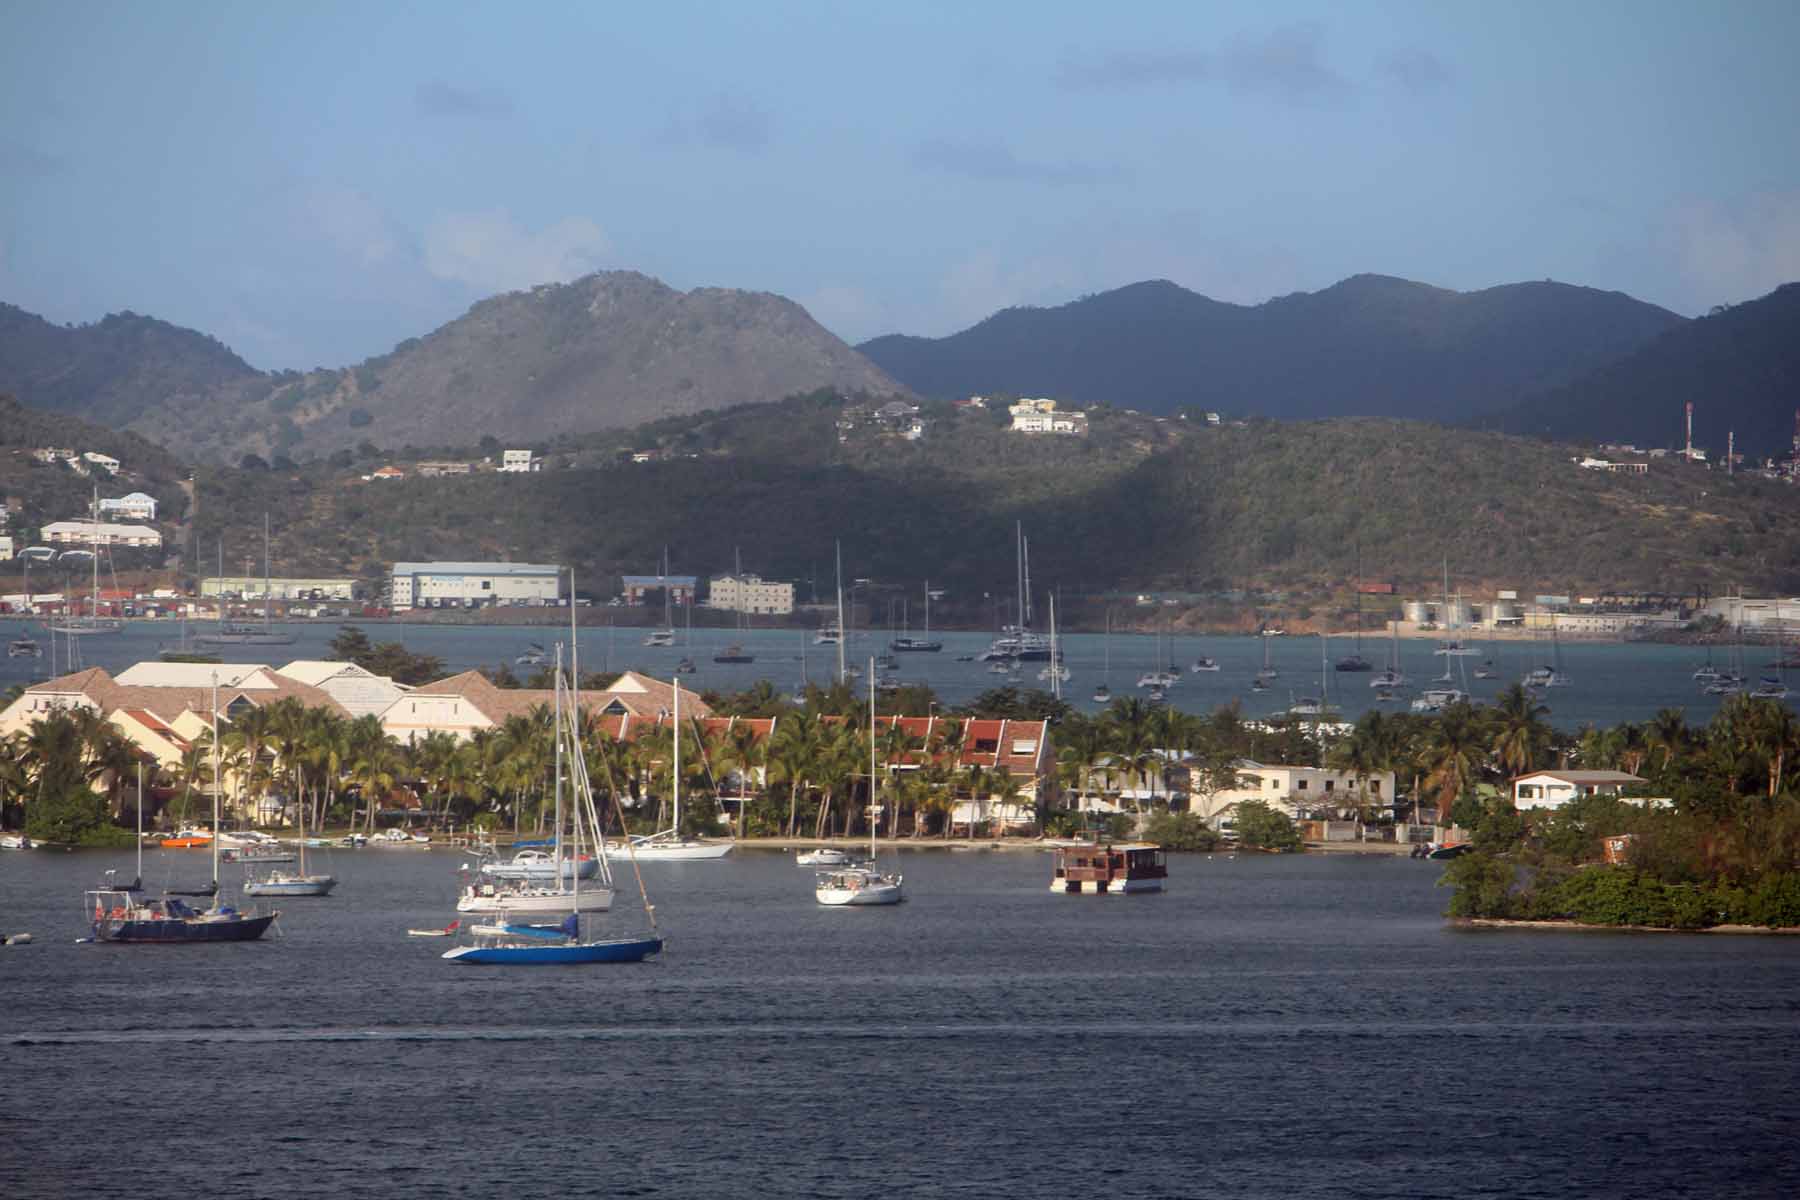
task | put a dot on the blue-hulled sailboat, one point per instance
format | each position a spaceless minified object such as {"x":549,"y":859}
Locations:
{"x":508,"y":943}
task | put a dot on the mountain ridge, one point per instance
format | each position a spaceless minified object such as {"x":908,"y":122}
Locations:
{"x":1740,"y":365}
{"x":609,"y":350}
{"x":1368,"y":345}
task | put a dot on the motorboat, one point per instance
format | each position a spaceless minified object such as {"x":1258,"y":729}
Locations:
{"x":400,"y":839}
{"x":534,"y":656}
{"x":1204,"y":664}
{"x":1388,"y":679}
{"x":24,"y":647}
{"x":660,"y":637}
{"x":685,"y":667}
{"x":824,"y":856}
{"x":1436,"y":700}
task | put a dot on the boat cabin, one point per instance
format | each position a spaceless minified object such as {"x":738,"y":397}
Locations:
{"x":1138,"y":867}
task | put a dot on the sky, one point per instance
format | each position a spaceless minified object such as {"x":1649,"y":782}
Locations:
{"x":312,"y":183}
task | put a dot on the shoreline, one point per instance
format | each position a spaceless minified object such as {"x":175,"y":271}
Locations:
{"x":1581,"y":927}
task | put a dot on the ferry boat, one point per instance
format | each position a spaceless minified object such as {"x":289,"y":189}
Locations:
{"x":1093,"y":869}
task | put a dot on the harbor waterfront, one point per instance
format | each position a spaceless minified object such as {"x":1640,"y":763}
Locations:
{"x":1296,"y":1026}
{"x":1613,"y":681}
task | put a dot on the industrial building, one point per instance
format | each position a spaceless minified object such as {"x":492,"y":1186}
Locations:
{"x":250,"y":587}
{"x":474,"y":584}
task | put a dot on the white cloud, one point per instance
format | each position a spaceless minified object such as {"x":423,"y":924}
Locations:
{"x":489,"y":251}
{"x":1740,"y":249}
{"x":981,"y":285}
{"x":849,"y":312}
{"x":352,"y":222}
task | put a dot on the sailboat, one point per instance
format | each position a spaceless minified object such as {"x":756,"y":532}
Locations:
{"x":1552,"y":675}
{"x":293,"y":883}
{"x":666,"y":635}
{"x":77,"y":626}
{"x":1159,"y":678}
{"x":1320,"y":705}
{"x":863,"y":886}
{"x":1391,"y":677}
{"x":25,"y":646}
{"x":1355,"y":661}
{"x":251,"y":635}
{"x":137,"y":880}
{"x":670,"y":843}
{"x":118,"y":916}
{"x":1103,"y":693}
{"x":1268,"y":674}
{"x":510,"y":943}
{"x":735,"y":653}
{"x":906,"y":643}
{"x":1054,"y":671}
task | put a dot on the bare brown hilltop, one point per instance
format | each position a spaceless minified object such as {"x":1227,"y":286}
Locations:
{"x":610,"y":350}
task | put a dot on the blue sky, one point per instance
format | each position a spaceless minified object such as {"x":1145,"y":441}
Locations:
{"x":312,"y":183}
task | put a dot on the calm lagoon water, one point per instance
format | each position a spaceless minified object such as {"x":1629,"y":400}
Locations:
{"x":1269,"y":1027}
{"x":1613,"y":681}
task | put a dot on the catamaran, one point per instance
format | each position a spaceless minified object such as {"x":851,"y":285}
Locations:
{"x":78,"y":626}
{"x":243,"y":634}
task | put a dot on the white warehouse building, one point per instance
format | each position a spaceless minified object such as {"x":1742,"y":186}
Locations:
{"x":469,"y":584}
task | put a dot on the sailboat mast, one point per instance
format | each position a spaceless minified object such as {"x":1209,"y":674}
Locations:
{"x":556,"y":839}
{"x":677,"y":772}
{"x":843,"y":634}
{"x":873,"y":814}
{"x":140,"y":822}
{"x":217,"y":784}
{"x":268,"y":602}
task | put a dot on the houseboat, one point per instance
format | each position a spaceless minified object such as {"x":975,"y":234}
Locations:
{"x":1090,"y":869}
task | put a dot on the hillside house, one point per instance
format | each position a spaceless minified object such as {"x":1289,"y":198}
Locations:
{"x":133,"y":506}
{"x":518,"y":462}
{"x":1042,"y":416}
{"x":1553,"y":789}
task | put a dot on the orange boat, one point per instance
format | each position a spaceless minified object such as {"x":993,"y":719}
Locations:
{"x":188,"y":839}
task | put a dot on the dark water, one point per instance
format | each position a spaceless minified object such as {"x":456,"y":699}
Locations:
{"x":1614,"y":682}
{"x":1292,"y":1027}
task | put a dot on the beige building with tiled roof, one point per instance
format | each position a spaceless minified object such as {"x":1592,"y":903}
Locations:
{"x":465,"y":703}
{"x":173,"y":694}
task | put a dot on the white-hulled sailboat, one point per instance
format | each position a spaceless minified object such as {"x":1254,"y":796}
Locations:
{"x":670,"y":844}
{"x":863,"y":886}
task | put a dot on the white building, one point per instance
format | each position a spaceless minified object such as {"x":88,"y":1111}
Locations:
{"x":6,"y":548}
{"x":134,"y":506}
{"x":520,"y":460}
{"x":82,"y":533}
{"x":749,"y":594}
{"x":360,"y":692}
{"x":1553,"y":789}
{"x":102,"y":460}
{"x":470,"y":584}
{"x":1041,"y":416}
{"x":1297,"y":791}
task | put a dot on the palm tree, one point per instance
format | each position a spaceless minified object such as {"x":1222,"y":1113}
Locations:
{"x":790,"y":761}
{"x":1668,"y":733}
{"x":1522,"y":737}
{"x":1452,"y":755}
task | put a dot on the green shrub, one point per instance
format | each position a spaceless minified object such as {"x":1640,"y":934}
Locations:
{"x":1180,"y":831}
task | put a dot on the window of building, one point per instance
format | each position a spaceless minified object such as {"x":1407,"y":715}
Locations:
{"x":1329,"y":784}
{"x":1301,"y":786}
{"x":1375,"y":786}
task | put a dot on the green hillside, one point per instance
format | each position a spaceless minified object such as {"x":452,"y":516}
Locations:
{"x":1143,"y":504}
